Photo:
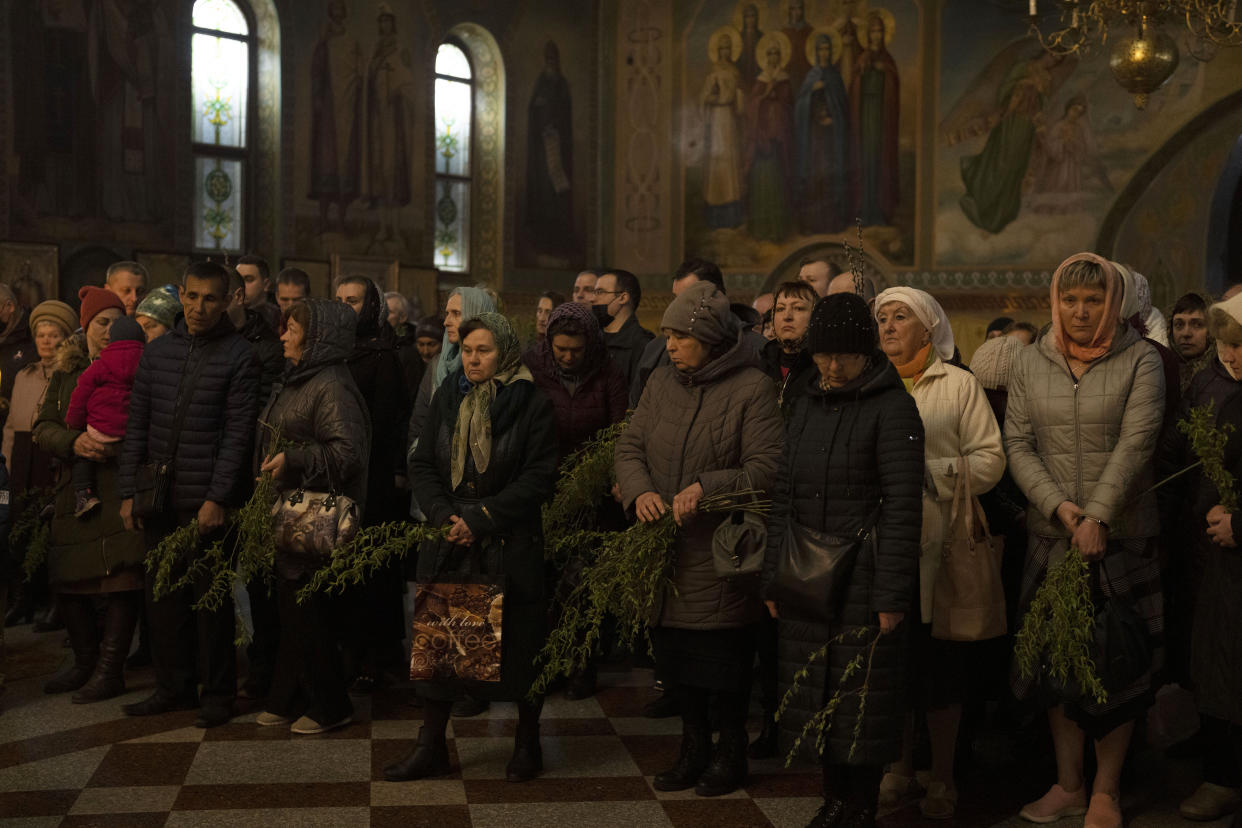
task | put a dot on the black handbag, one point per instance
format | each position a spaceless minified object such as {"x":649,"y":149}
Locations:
{"x":814,"y":570}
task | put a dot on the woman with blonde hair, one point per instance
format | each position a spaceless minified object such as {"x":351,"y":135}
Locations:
{"x":961,"y":433}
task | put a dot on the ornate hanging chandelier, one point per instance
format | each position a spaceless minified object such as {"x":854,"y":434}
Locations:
{"x":1145,"y":55}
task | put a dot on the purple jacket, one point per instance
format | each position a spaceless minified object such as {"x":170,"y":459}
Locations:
{"x":101,"y":398}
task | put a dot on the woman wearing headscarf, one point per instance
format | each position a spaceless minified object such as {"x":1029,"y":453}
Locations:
{"x":1138,"y":313}
{"x":463,"y":303}
{"x":30,"y":468}
{"x":93,"y":557}
{"x":1199,"y":570}
{"x":853,"y":464}
{"x":1085,"y":406}
{"x":319,"y":410}
{"x":573,"y":368}
{"x":706,"y":424}
{"x":375,"y":640}
{"x":483,"y":467}
{"x":959,"y":425}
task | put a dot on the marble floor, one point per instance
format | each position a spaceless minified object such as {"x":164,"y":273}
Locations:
{"x":66,"y":764}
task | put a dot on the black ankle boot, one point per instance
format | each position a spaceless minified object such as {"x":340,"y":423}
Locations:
{"x":79,"y":618}
{"x":727,"y":770}
{"x":696,"y":753}
{"x":765,"y":744}
{"x":109,"y":678}
{"x":830,"y":815}
{"x":527,"y":759}
{"x":430,"y":758}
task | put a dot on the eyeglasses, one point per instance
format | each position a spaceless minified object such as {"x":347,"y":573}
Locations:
{"x":609,"y":292}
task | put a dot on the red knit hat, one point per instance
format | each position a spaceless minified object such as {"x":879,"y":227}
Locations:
{"x":94,"y":299}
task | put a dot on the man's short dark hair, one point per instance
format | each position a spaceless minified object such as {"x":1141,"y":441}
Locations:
{"x":130,"y":267}
{"x":1028,"y":327}
{"x":1190,"y":303}
{"x":295,"y":276}
{"x":209,"y":270}
{"x":833,"y":269}
{"x":265,"y":271}
{"x":628,"y":283}
{"x":702,"y":268}
{"x":1004,"y":324}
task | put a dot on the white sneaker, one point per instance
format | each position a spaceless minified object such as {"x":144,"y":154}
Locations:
{"x":306,"y":726}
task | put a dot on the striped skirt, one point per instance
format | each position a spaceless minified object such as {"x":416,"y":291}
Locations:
{"x":1130,"y":571}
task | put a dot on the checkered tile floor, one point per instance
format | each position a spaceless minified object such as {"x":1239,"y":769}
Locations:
{"x":65,"y":764}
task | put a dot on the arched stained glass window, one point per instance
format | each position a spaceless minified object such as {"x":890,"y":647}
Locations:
{"x":222,"y":63}
{"x":454,"y":92}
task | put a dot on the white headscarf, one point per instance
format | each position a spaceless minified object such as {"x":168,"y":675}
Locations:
{"x":1233,"y":308}
{"x":928,"y":311}
{"x":1138,"y":302}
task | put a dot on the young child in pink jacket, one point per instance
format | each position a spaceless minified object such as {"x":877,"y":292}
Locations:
{"x":100,"y":403}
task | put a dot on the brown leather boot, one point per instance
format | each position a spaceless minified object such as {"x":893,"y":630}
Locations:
{"x":109,"y":678}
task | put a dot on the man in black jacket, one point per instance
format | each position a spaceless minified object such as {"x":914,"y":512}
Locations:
{"x":617,"y":295}
{"x":255,"y":330}
{"x":194,"y":408}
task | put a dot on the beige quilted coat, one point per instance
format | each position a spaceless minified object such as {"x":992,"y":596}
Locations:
{"x":1091,"y":441}
{"x":958,"y":422}
{"x":725,"y":422}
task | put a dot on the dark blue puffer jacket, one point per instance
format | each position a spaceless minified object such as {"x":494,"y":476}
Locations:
{"x":213,"y":455}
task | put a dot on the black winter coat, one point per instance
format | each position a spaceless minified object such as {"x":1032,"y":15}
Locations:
{"x":267,"y":349}
{"x":318,"y":406}
{"x":626,"y":346}
{"x":502,"y":508}
{"x":597,"y":400}
{"x":212,"y":459}
{"x":1216,"y":641}
{"x":848,"y":453}
{"x":378,"y":374}
{"x":774,"y":362}
{"x":17,"y":350}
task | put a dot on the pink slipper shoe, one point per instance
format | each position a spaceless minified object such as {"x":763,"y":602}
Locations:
{"x":1105,"y":812}
{"x":1057,"y":804}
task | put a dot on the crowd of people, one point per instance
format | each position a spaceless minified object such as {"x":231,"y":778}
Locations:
{"x":886,"y":459}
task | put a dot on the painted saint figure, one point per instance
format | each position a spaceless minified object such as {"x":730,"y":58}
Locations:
{"x":390,"y":109}
{"x":797,"y":31}
{"x":550,"y":159}
{"x":1064,"y":152}
{"x":748,"y":63}
{"x":336,"y":117}
{"x":769,"y":154}
{"x":821,"y":121}
{"x":850,"y":51}
{"x":722,"y":102}
{"x":994,"y":178}
{"x":875,"y":108}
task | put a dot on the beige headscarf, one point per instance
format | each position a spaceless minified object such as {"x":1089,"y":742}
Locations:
{"x":474,"y":414}
{"x":929,"y":312}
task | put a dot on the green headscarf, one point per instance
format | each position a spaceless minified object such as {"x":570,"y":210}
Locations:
{"x":474,"y":417}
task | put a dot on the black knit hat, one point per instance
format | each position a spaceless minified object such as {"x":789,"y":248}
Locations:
{"x":125,"y":328}
{"x":841,"y":324}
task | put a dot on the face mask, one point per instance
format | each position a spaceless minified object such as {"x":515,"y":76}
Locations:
{"x":602,"y":315}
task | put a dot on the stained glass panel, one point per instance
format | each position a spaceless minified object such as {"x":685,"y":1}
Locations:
{"x":218,"y":205}
{"x":221,"y":15}
{"x":452,"y":127}
{"x":452,"y":61}
{"x":452,"y":224}
{"x":219,"y":75}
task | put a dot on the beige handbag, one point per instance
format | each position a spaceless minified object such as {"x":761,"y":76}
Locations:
{"x":313,"y":524}
{"x":968,"y":602}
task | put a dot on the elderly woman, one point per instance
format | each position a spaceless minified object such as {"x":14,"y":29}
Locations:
{"x":30,"y":468}
{"x":94,"y":556}
{"x":317,"y":408}
{"x":1201,"y":620}
{"x":483,"y":467}
{"x":961,"y":432}
{"x":853,"y":464}
{"x":706,"y":424}
{"x":1085,"y":407}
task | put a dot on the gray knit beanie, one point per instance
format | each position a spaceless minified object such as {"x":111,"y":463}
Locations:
{"x":702,"y":311}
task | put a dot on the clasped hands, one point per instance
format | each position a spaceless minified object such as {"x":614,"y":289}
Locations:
{"x":1220,"y":527}
{"x":1088,"y":535}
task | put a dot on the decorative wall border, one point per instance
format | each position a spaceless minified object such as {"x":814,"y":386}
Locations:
{"x":266,"y":158}
{"x":487,"y":190}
